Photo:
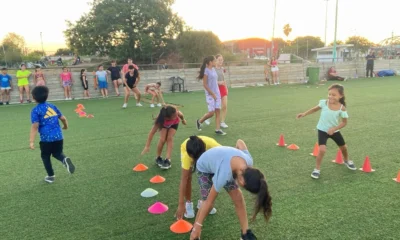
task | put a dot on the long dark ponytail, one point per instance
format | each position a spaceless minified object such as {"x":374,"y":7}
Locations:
{"x":206,"y":61}
{"x":195,"y":147}
{"x":165,"y":112}
{"x":340,"y":89}
{"x":255,"y":183}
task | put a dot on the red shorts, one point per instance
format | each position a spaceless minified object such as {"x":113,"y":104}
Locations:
{"x":223,"y":90}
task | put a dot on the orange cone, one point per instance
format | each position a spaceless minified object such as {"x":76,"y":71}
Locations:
{"x":181,"y":226}
{"x":315,"y":151}
{"x":339,"y":158}
{"x":367,"y":166}
{"x":140,"y":168}
{"x":398,"y":178}
{"x":281,"y":142}
{"x":157,"y":179}
{"x":293,"y":147}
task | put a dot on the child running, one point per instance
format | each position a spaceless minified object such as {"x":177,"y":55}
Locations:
{"x":213,"y":96}
{"x":188,"y":148}
{"x":131,"y":80}
{"x":167,"y":123}
{"x":155,"y":91}
{"x":85,"y":84}
{"x":44,"y":118}
{"x":229,"y":168}
{"x":66,"y":83}
{"x":39,"y":79}
{"x":332,"y":111}
{"x":5,"y":86}
{"x":102,"y":79}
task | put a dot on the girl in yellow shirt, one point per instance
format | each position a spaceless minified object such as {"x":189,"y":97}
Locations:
{"x":23,"y":83}
{"x":185,"y":208}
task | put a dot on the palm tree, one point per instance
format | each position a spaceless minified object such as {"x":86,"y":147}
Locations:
{"x":287,"y":30}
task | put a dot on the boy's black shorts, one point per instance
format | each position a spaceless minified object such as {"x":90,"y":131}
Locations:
{"x":336,"y":137}
{"x":52,"y":148}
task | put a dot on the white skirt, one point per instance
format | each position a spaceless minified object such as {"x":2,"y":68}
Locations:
{"x":274,"y":69}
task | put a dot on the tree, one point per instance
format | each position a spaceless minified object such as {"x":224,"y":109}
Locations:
{"x":302,"y":45}
{"x":14,"y":42}
{"x":279,"y":43}
{"x":361,"y":44}
{"x":287,"y":30}
{"x":62,"y":52}
{"x":338,"y":42}
{"x":125,"y":28}
{"x":196,"y":45}
{"x":33,"y":56}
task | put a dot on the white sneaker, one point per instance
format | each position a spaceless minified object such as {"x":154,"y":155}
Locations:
{"x":151,"y":105}
{"x":66,"y":99}
{"x":207,"y":122}
{"x":189,"y":210}
{"x":213,"y":211}
{"x":139,"y":105}
{"x":125,"y":105}
{"x":159,"y":105}
{"x":223,"y":125}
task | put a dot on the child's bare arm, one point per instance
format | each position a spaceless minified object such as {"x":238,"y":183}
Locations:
{"x":150,"y":138}
{"x":34,"y":130}
{"x":182,"y":117}
{"x":311,"y":111}
{"x":64,"y":121}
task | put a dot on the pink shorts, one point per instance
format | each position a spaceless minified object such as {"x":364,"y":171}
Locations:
{"x":213,"y":104}
{"x":67,"y":83}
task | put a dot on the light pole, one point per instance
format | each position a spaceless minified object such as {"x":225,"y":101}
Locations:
{"x":5,"y":57}
{"x":41,"y":40}
{"x":334,"y":40}
{"x":273,"y":31}
{"x":326,"y":21}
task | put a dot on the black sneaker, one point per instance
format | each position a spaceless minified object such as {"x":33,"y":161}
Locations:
{"x":220,"y":132}
{"x":1,"y":103}
{"x":198,"y":125}
{"x":166,"y":164}
{"x":7,"y":103}
{"x":69,"y":165}
{"x":248,"y":236}
{"x":159,"y":161}
{"x":49,"y":179}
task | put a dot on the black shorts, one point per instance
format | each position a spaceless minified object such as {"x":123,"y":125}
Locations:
{"x":336,"y":137}
{"x":130,"y":86}
{"x":87,"y":86}
{"x":175,"y":126}
{"x":115,"y":78}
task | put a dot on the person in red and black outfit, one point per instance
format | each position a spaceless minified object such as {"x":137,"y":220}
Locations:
{"x":332,"y":75}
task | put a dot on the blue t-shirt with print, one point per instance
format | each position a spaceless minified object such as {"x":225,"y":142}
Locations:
{"x":5,"y":80}
{"x":47,"y":116}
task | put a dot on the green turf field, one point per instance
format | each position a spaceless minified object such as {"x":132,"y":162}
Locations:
{"x":102,"y":199}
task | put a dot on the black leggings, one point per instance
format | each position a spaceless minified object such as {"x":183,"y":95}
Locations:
{"x":370,"y":70}
{"x":48,"y":149}
{"x":336,"y":137}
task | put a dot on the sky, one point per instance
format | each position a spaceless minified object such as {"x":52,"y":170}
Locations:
{"x":229,"y":19}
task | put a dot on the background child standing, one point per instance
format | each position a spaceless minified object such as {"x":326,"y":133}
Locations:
{"x":85,"y":84}
{"x":66,"y":83}
{"x":39,"y":78}
{"x":5,"y":86}
{"x":102,"y":79}
{"x":44,"y":118}
{"x":332,"y":111}
{"x":23,"y":83}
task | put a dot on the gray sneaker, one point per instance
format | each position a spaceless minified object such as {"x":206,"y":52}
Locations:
{"x":49,"y":179}
{"x":220,"y":132}
{"x":198,"y":125}
{"x":315,"y":174}
{"x":350,"y":165}
{"x":69,"y":165}
{"x":166,"y":164}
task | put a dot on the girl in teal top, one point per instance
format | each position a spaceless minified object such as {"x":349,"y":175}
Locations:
{"x":333,"y":117}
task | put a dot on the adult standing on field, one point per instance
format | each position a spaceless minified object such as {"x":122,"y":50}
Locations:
{"x":370,"y":63}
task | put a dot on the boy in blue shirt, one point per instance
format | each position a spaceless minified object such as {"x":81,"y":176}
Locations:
{"x":44,"y":118}
{"x":5,"y":86}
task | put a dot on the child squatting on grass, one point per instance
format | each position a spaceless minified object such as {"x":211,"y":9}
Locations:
{"x":167,"y":123}
{"x":332,"y":110}
{"x":44,"y":118}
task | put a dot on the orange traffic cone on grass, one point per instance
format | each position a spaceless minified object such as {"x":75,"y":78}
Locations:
{"x":398,"y":178}
{"x":140,"y":168}
{"x":181,"y":226}
{"x":367,"y":166}
{"x":339,"y":158}
{"x":293,"y":147}
{"x":281,"y":142}
{"x":157,"y":179}
{"x":315,"y":151}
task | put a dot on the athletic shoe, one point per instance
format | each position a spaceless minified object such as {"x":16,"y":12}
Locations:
{"x":7,"y":103}
{"x":49,"y":179}
{"x":159,"y":105}
{"x":68,"y":163}
{"x":208,"y":122}
{"x":151,"y":105}
{"x":350,"y":165}
{"x":159,"y":161}
{"x":223,"y":125}
{"x":248,"y":236}
{"x":315,"y":174}
{"x":220,"y":132}
{"x":189,"y":210}
{"x":212,"y":212}
{"x":198,"y":124}
{"x":166,"y":164}
{"x":139,"y":105}
{"x":125,"y":105}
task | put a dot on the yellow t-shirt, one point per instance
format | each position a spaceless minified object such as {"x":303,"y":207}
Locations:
{"x":186,"y":160}
{"x":23,"y":81}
